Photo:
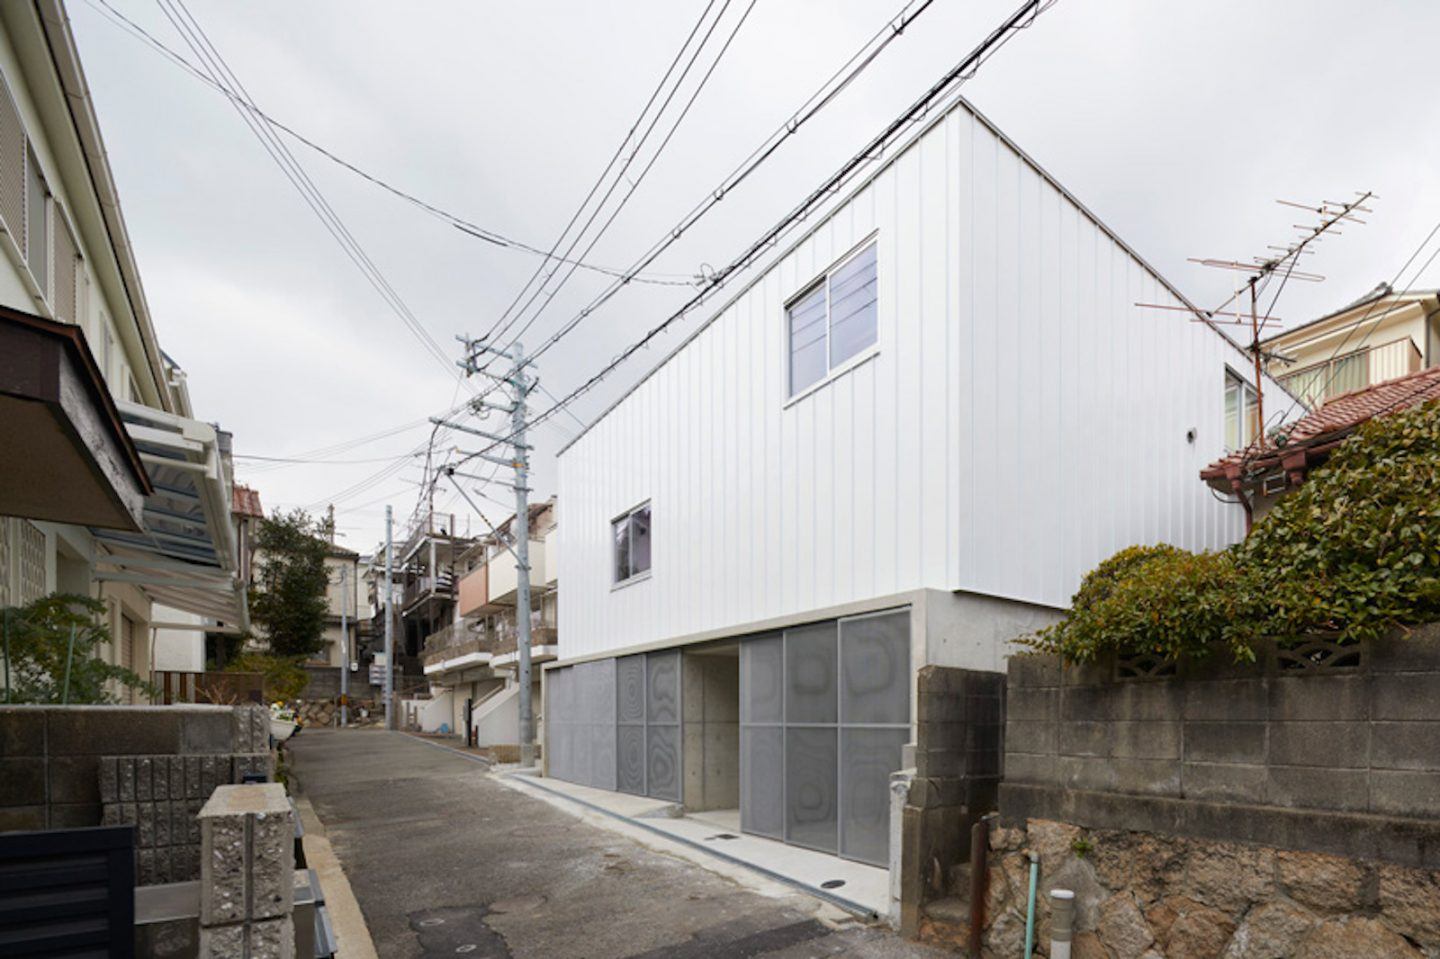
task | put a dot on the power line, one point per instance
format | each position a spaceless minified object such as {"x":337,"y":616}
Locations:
{"x":1020,"y":19}
{"x":634,"y":184}
{"x":214,"y":64}
{"x":605,"y":173}
{"x":833,"y":86}
{"x":119,"y":19}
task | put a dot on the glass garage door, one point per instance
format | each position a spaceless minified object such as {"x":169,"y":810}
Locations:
{"x":825,"y":710}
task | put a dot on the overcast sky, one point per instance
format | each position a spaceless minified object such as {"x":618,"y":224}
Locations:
{"x":1179,"y":124}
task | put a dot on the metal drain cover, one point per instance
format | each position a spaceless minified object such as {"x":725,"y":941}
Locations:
{"x":832,"y":884}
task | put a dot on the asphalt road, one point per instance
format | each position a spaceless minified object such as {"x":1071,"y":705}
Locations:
{"x":445,"y":860}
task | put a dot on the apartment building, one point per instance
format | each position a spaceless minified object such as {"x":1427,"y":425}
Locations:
{"x":902,"y":442}
{"x":473,"y":661}
{"x":111,"y":488}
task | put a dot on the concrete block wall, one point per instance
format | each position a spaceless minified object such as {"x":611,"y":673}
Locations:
{"x":957,"y":766}
{"x":75,"y":766}
{"x":1302,"y":751}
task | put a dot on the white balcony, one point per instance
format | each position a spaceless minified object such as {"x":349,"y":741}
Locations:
{"x":503,"y":581}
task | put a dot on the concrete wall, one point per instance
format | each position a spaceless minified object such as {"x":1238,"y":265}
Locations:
{"x":1343,"y":760}
{"x":711,"y":729}
{"x":956,"y":776}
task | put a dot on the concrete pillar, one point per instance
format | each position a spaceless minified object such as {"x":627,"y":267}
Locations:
{"x":247,"y":873}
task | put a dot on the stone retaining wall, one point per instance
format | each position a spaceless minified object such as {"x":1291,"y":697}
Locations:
{"x":1343,"y":759}
{"x":1141,"y":895}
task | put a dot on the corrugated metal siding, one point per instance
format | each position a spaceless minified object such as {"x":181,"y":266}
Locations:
{"x":1021,"y":421}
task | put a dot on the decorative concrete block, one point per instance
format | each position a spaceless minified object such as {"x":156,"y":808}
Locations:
{"x":223,"y":866}
{"x":222,"y":942}
{"x":125,"y":769}
{"x":162,"y":823}
{"x":145,"y":867}
{"x":108,"y":779}
{"x":210,"y":774}
{"x":160,"y":778}
{"x":272,"y":939}
{"x":144,"y":781}
{"x":247,"y":854}
{"x":192,"y":777}
{"x":145,"y":818}
{"x":177,"y":777}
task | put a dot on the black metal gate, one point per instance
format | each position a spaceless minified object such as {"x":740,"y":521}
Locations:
{"x":68,"y":892}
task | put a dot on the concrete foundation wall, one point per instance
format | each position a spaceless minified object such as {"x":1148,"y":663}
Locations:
{"x":1338,"y":759}
{"x":974,"y":631}
{"x":711,"y":704}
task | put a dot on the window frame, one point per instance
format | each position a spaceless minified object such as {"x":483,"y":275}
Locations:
{"x":822,"y":280}
{"x":616,"y":582}
{"x":1248,"y":410}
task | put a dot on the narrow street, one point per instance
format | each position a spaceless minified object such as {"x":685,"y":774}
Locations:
{"x":444,"y":860}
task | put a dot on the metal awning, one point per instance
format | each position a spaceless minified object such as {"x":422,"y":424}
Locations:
{"x":185,"y":554}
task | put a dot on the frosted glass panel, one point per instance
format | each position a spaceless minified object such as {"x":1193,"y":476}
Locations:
{"x":662,"y":751}
{"x":663,"y":689}
{"x":810,"y":788}
{"x":762,"y":781}
{"x":875,"y":669}
{"x":761,"y":680}
{"x":810,"y":674}
{"x":868,"y":757}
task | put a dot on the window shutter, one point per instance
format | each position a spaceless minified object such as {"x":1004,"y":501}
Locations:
{"x":67,"y":263}
{"x":12,"y":167}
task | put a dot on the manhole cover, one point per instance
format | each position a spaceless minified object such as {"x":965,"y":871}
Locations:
{"x":518,"y":904}
{"x":832,"y":884}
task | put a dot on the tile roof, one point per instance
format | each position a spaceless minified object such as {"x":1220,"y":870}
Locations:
{"x":245,"y":501}
{"x":1336,"y":419}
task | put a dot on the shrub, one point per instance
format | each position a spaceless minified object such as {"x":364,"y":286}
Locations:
{"x":53,"y":645}
{"x":285,"y":678}
{"x":1353,"y":553}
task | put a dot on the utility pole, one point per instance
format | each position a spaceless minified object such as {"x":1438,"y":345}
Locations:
{"x":522,"y":558}
{"x":344,"y":650}
{"x":519,"y":385}
{"x":389,"y":623}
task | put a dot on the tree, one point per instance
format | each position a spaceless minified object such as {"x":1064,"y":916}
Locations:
{"x":288,"y":599}
{"x":49,"y":651}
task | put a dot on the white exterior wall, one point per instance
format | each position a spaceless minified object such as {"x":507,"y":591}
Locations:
{"x":1020,"y":421}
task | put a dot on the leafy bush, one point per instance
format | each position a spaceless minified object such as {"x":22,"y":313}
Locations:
{"x":288,"y":601}
{"x":53,"y":657}
{"x":285,"y":678}
{"x":1353,"y":553}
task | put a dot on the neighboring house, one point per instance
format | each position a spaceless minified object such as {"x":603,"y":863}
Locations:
{"x":343,"y":596}
{"x":1259,"y":476}
{"x":110,"y":488}
{"x":902,"y":443}
{"x":474,"y":658}
{"x":424,"y":573}
{"x":1382,"y":336}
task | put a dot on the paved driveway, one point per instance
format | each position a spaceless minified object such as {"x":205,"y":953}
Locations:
{"x":444,"y":860}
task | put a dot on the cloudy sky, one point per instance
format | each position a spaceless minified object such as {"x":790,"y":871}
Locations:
{"x":1179,"y":124}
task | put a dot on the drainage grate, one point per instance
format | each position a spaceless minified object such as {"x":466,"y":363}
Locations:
{"x":722,"y":835}
{"x":832,"y":884}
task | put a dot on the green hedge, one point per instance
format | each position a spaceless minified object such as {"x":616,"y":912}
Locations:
{"x":1351,"y":554}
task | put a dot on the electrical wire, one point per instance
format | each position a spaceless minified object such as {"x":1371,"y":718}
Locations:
{"x":1021,"y":18}
{"x":610,"y":165}
{"x":214,"y":63}
{"x":833,"y":86}
{"x":550,"y":292}
{"x":119,"y":19}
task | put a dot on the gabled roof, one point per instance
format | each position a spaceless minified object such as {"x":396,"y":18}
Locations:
{"x":1381,"y":292}
{"x":1319,"y":431}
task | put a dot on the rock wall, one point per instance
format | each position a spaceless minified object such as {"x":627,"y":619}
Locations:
{"x":1144,"y":895}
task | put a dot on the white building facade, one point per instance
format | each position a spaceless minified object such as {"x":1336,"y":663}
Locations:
{"x":904,"y":442}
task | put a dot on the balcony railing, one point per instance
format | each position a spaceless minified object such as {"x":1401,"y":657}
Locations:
{"x":1356,"y":370}
{"x":418,"y":588}
{"x":496,"y":639}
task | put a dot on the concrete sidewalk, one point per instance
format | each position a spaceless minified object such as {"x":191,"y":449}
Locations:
{"x":442,"y":857}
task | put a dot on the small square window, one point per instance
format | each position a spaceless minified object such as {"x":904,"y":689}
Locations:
{"x":630,"y":535}
{"x":833,"y":321}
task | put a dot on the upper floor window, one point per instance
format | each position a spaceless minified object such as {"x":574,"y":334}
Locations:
{"x":832,"y":321}
{"x":630,"y":535}
{"x":1242,"y":415}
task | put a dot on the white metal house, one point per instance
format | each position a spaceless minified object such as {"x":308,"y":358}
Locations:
{"x":902,"y":443}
